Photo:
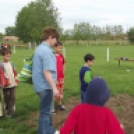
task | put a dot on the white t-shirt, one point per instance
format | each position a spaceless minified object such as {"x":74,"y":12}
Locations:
{"x":8,"y":72}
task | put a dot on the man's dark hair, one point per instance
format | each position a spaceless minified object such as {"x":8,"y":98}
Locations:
{"x":58,"y":44}
{"x":5,"y":49}
{"x":89,"y":57}
{"x":49,"y":31}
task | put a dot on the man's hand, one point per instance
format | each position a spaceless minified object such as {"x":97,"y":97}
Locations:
{"x":51,"y":82}
{"x":56,"y":92}
{"x":122,"y":126}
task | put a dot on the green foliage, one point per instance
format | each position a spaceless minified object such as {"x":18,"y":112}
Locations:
{"x":121,"y":108}
{"x":37,"y":15}
{"x":77,"y":33}
{"x":10,"y":31}
{"x":66,"y":35}
{"x":1,"y":36}
{"x":131,"y":35}
{"x":86,"y":32}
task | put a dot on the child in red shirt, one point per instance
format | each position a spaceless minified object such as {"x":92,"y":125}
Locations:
{"x":92,"y":117}
{"x":60,"y":65}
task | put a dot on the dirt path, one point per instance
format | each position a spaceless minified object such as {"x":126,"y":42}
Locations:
{"x":122,"y":106}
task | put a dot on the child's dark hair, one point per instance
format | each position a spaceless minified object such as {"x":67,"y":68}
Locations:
{"x":5,"y":49}
{"x":58,"y":44}
{"x":89,"y":57}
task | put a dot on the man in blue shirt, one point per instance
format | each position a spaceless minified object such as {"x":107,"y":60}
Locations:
{"x":44,"y":78}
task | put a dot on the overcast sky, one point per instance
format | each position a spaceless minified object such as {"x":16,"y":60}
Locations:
{"x":96,"y":12}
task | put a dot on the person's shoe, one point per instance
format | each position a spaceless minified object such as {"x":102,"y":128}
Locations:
{"x":53,"y":111}
{"x":57,"y":132}
{"x":9,"y":115}
{"x":61,"y":107}
{"x":2,"y":116}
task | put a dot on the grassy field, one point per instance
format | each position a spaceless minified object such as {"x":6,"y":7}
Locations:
{"x":118,"y":78}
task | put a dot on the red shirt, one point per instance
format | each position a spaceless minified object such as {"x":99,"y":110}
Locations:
{"x":91,"y":119}
{"x":60,"y":61}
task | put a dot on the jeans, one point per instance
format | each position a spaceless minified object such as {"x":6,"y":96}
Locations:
{"x":52,"y":106}
{"x":83,"y":95}
{"x":45,"y":119}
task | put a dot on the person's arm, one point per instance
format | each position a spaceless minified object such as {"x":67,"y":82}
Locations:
{"x":63,"y":63}
{"x":88,"y":76}
{"x":71,"y":122}
{"x":50,"y":80}
{"x":48,"y":67}
{"x":112,"y":124}
{"x":64,"y":68}
{"x":2,"y":82}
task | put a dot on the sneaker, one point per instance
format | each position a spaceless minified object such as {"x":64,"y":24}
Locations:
{"x":9,"y":115}
{"x":53,"y":111}
{"x":57,"y":132}
{"x":61,"y":107}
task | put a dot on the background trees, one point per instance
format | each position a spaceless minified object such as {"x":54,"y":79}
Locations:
{"x":10,"y":31}
{"x":34,"y":17}
{"x":1,"y":36}
{"x":86,"y":32}
{"x":131,"y":35}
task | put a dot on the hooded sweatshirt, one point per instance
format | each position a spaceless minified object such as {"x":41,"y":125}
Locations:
{"x":92,"y":117}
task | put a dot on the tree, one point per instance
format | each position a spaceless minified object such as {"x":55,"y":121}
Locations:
{"x":85,"y":29}
{"x":34,"y":17}
{"x":81,"y":31}
{"x":131,"y":35}
{"x":66,"y":35}
{"x":10,"y":31}
{"x":76,"y":33}
{"x":1,"y":36}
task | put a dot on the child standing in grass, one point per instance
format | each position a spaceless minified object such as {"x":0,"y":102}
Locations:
{"x":10,"y":82}
{"x":60,"y":65}
{"x":1,"y":86}
{"x":85,"y":74}
{"x":92,"y":117}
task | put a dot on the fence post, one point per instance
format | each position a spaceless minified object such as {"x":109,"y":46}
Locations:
{"x":107,"y":54}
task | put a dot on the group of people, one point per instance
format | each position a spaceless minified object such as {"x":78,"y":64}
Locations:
{"x":90,"y":116}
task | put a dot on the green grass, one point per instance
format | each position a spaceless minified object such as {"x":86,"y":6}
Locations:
{"x":118,"y":79}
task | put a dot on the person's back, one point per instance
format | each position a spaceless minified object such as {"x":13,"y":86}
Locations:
{"x":92,"y":117}
{"x":83,"y":84}
{"x":43,"y":52}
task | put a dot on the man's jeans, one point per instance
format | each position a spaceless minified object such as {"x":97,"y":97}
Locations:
{"x":83,"y":96}
{"x":45,"y":120}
